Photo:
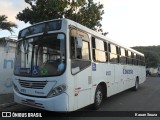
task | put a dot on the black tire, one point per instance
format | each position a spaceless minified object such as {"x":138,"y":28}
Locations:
{"x":135,"y":88}
{"x":98,"y":98}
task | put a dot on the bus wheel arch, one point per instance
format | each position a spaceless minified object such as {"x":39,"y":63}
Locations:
{"x":100,"y":94}
{"x":104,"y":89}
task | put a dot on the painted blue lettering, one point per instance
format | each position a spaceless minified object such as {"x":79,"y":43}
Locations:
{"x":127,"y":71}
{"x":8,"y":83}
{"x":108,"y":72}
{"x":7,"y":62}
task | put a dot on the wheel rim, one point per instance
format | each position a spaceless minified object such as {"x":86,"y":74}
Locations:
{"x":99,"y":97}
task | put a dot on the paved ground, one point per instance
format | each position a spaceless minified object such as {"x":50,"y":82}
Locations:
{"x":6,"y":100}
{"x":147,"y":98}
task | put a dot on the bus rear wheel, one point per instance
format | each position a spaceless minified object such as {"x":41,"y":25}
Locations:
{"x":98,"y":98}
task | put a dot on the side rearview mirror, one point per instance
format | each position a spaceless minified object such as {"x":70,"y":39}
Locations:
{"x":79,"y":42}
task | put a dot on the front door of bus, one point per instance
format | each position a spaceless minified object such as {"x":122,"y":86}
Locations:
{"x":80,"y":67}
{"x":83,"y":83}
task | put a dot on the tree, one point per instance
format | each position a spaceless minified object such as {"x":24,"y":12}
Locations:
{"x":152,"y":54}
{"x":86,"y":13}
{"x":151,"y":59}
{"x":5,"y":25}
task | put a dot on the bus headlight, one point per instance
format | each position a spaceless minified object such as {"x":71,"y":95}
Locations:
{"x":57,"y":90}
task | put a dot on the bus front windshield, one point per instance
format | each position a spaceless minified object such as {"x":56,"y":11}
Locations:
{"x":41,"y":56}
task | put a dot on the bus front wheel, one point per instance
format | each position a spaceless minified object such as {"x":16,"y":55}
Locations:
{"x":98,"y":98}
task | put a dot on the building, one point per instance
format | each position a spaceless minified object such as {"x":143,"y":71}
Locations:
{"x":7,"y":55}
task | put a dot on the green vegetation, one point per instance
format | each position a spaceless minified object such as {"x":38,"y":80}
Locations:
{"x":152,"y":54}
{"x":6,"y":25}
{"x":86,"y":13}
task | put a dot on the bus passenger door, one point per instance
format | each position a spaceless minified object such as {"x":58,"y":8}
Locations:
{"x":82,"y":82}
{"x":80,"y":67}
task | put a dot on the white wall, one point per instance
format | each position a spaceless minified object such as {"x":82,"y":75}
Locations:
{"x":7,"y":55}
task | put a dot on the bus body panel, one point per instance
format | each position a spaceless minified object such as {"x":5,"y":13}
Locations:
{"x":57,"y":103}
{"x":81,"y":86}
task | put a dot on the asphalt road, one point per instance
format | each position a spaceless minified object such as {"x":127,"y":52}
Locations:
{"x":147,"y":98}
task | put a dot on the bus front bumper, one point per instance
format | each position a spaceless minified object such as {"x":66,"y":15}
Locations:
{"x":57,"y":103}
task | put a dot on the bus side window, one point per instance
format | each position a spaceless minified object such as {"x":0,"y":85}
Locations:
{"x":80,"y":57}
{"x":126,"y":54}
{"x":132,"y":56}
{"x":129,"y":58}
{"x":113,"y":54}
{"x":99,"y":50}
{"x":134,"y":60}
{"x":106,"y":50}
{"x":123,"y":56}
{"x":85,"y":51}
{"x":137,"y":59}
{"x":93,"y":48}
{"x":118,"y":53}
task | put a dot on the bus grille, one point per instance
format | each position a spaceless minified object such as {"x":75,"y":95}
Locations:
{"x":33,"y":84}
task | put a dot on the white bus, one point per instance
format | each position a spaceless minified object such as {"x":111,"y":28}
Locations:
{"x":61,"y":65}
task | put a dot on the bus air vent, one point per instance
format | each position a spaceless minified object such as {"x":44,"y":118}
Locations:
{"x":33,"y":84}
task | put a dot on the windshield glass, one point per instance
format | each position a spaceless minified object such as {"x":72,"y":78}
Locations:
{"x":41,"y":56}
